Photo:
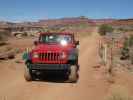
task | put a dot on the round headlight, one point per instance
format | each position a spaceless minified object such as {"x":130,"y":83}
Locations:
{"x":63,"y":42}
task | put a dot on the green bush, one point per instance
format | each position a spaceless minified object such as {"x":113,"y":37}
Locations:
{"x":103,"y":29}
{"x":125,"y":50}
{"x":124,"y":53}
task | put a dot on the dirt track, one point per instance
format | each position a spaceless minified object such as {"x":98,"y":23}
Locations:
{"x":91,"y":85}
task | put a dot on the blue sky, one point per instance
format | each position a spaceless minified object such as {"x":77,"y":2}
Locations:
{"x":32,"y":10}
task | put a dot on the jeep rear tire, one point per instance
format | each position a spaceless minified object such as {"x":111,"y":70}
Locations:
{"x":27,"y":74}
{"x":73,"y":75}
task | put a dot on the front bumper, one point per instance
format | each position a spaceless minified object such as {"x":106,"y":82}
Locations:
{"x":49,"y":66}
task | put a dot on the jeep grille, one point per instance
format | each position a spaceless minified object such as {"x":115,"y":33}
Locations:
{"x":49,"y":56}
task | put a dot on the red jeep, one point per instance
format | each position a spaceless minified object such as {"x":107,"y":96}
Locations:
{"x":53,"y":52}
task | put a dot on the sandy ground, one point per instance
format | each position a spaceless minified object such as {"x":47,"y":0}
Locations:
{"x":92,"y":84}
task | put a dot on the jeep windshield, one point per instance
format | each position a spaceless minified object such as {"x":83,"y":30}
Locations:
{"x":55,"y":38}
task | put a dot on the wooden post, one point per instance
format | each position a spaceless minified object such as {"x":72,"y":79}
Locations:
{"x":105,"y":54}
{"x":112,"y":58}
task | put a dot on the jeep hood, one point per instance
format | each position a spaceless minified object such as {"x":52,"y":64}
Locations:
{"x":52,"y":47}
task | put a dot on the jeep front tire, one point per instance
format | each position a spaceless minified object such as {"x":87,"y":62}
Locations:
{"x":73,"y":75}
{"x":27,"y":74}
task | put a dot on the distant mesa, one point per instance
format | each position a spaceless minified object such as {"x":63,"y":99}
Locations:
{"x":64,"y":21}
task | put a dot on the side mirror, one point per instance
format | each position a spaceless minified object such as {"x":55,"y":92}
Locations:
{"x":36,"y":43}
{"x":76,"y":42}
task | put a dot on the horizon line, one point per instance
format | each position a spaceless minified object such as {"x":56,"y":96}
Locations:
{"x":58,"y":18}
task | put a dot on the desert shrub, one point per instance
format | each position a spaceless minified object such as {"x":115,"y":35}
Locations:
{"x":125,"y":50}
{"x":131,"y":55}
{"x":124,"y":53}
{"x":4,"y":35}
{"x":131,"y":40}
{"x":126,"y":28}
{"x":103,"y":29}
{"x":123,"y":29}
{"x":24,"y":34}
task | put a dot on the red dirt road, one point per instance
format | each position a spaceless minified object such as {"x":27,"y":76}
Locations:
{"x":91,"y":85}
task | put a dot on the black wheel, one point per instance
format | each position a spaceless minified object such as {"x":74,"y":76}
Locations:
{"x":73,"y":75}
{"x":27,"y":74}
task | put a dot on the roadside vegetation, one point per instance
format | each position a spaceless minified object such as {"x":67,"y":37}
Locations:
{"x":127,"y":50}
{"x":104,"y":29}
{"x":125,"y":28}
{"x":4,"y":37}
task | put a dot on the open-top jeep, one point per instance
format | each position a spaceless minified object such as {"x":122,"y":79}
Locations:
{"x":53,"y":52}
